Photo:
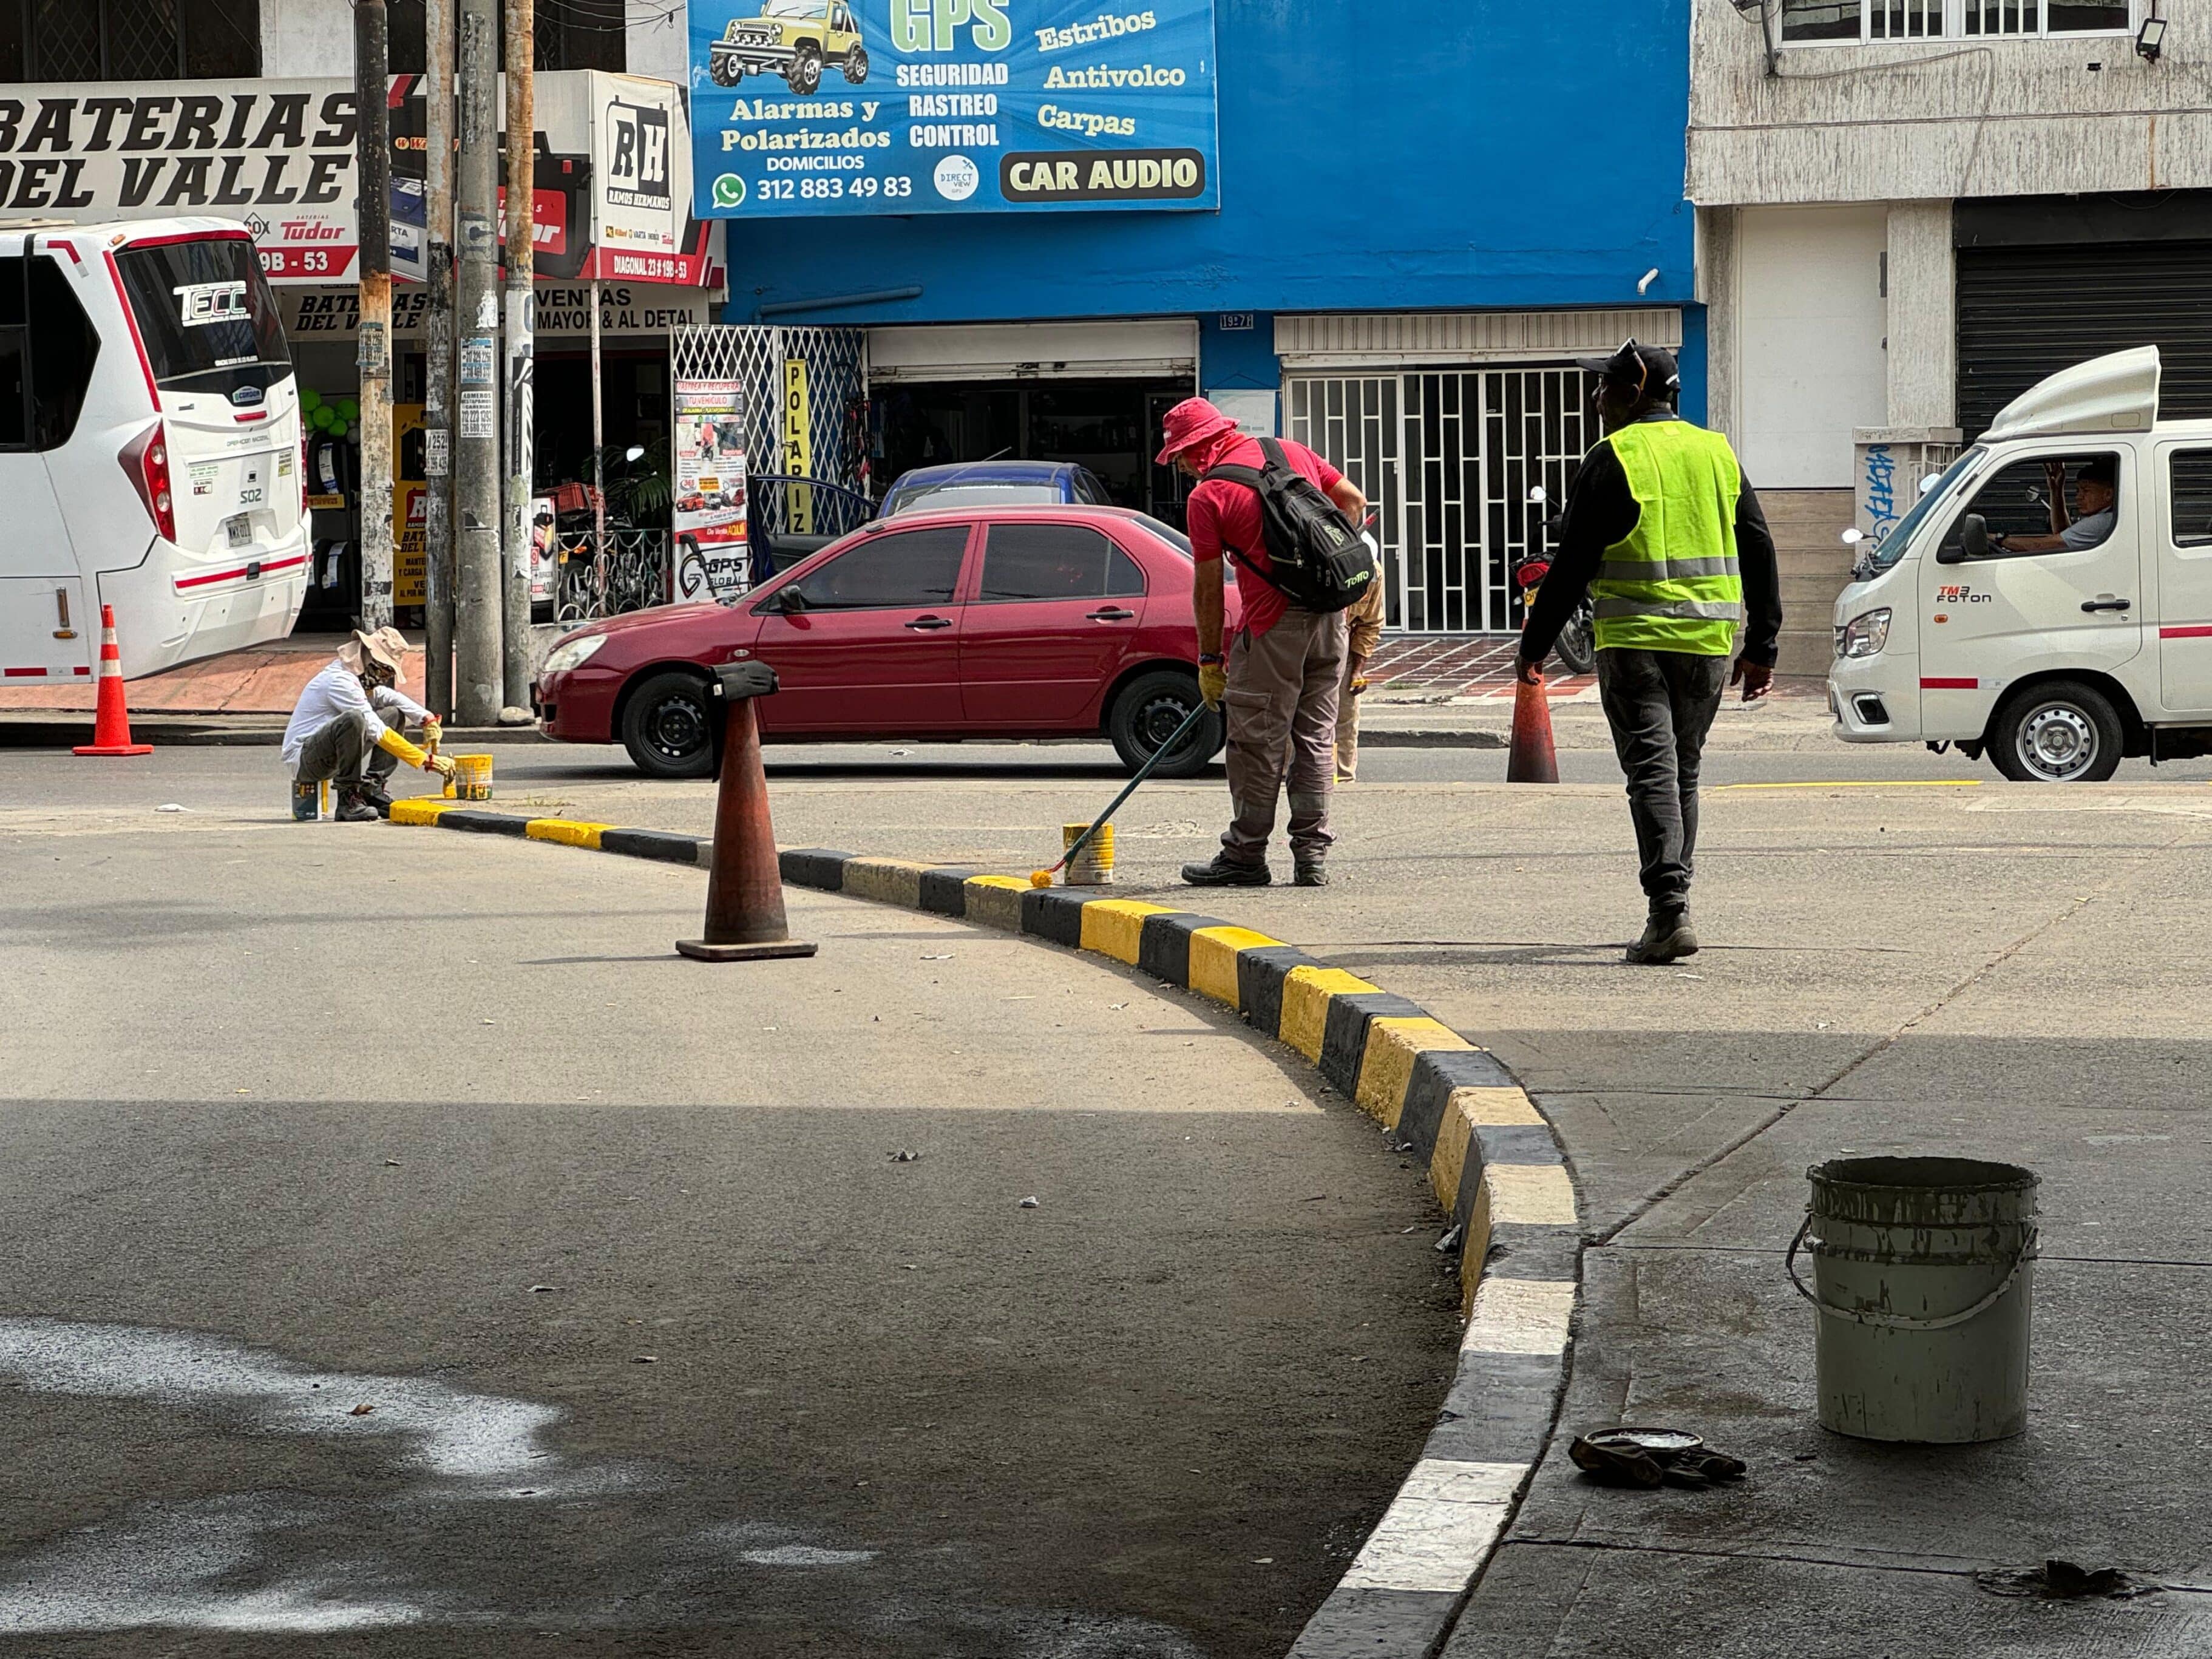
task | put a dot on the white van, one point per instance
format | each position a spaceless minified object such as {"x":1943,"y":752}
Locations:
{"x":2006,"y":614}
{"x":149,"y":447}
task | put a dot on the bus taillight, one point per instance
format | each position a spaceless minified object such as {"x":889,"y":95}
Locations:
{"x":146,"y":459}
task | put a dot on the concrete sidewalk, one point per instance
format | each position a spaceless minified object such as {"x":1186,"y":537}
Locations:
{"x":1979,"y":968}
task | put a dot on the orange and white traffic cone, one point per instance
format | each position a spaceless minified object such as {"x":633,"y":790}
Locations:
{"x":1532,"y":758}
{"x":110,"y":731}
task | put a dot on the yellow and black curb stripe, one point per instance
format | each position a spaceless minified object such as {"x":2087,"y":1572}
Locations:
{"x":1494,"y":1164}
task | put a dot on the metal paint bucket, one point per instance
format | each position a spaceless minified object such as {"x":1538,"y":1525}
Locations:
{"x":472,"y":781}
{"x":1923,"y":1275}
{"x":1094,"y":866}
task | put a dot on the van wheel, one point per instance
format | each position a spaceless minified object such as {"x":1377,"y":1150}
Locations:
{"x":2061,"y":732}
{"x":667,"y":727}
{"x":1147,"y":713}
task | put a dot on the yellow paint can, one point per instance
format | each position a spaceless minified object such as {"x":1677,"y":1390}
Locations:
{"x":473,"y":781}
{"x":1094,"y":866}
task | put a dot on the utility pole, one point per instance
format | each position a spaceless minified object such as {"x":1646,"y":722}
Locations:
{"x":522,"y":325}
{"x":438,"y":357}
{"x":372,"y":57}
{"x":479,"y":676}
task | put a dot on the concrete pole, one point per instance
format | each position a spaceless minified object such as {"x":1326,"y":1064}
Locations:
{"x":478,"y":677}
{"x":372,"y":57}
{"x":438,"y":357}
{"x":521,"y":321}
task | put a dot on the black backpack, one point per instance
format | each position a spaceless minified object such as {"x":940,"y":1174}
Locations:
{"x":1317,"y":557}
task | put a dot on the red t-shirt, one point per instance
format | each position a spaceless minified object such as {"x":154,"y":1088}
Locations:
{"x":1224,"y":514}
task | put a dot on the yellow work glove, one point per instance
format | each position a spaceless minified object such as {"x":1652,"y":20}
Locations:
{"x":394,"y":744}
{"x":432,"y":732}
{"x":1213,"y":681}
{"x":444,"y":766}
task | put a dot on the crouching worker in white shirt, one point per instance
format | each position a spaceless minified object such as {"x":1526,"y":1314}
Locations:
{"x":347,"y":726}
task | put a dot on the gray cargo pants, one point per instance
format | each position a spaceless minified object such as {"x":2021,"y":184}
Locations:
{"x":1661,"y":705}
{"x":336,"y":750}
{"x":1281,"y":710}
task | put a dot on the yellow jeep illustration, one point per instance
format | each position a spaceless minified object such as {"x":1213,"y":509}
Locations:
{"x":793,"y":39}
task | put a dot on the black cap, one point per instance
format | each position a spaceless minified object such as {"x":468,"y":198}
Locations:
{"x":1642,"y":370}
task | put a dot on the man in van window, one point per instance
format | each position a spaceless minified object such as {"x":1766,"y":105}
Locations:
{"x":1665,"y":533}
{"x":1278,"y":680}
{"x":346,"y":727}
{"x":2096,"y":497}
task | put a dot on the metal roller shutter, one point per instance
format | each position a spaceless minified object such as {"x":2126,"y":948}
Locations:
{"x":2027,"y":312}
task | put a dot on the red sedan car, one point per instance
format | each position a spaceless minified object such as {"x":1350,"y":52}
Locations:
{"x":1036,"y":622}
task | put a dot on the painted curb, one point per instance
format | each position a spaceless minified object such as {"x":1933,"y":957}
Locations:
{"x":1494,"y":1163}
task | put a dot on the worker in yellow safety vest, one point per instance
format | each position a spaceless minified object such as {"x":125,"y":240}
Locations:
{"x":1665,"y":534}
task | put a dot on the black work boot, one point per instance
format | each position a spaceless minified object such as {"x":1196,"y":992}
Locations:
{"x":1668,"y":937}
{"x":373,"y":792}
{"x":1311,"y":872}
{"x":1225,"y":871}
{"x":353,"y":807}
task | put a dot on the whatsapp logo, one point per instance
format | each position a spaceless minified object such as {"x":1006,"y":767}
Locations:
{"x":729,"y":191}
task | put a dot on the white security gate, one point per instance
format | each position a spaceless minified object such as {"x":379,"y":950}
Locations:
{"x":1447,"y":456}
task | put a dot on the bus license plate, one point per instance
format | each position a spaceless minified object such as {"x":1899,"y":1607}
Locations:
{"x":241,"y":529}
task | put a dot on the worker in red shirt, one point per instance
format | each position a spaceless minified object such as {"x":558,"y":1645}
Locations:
{"x":1278,"y":680}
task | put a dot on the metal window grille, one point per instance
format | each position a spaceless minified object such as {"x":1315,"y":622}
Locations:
{"x":2000,"y":17}
{"x":1449,"y":457}
{"x":754,"y":357}
{"x":103,"y":40}
{"x":1910,"y":19}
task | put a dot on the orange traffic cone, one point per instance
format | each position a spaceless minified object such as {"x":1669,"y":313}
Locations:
{"x":110,"y":731}
{"x":1532,"y":758}
{"x":745,"y":921}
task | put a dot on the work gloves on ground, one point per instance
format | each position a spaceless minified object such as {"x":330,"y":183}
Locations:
{"x":1212,"y":681}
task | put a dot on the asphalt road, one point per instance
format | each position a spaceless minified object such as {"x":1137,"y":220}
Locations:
{"x":408,"y":1254}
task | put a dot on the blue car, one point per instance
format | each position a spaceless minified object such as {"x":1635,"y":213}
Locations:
{"x":995,"y":484}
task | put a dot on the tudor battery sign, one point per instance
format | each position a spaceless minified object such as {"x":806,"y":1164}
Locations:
{"x":808,"y":107}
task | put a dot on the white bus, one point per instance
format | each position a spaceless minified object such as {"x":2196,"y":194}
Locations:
{"x":150,"y":447}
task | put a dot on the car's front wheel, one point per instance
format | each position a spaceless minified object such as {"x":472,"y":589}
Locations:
{"x":1148,"y":713}
{"x":2060,"y":731}
{"x":805,"y":72}
{"x":725,"y":71}
{"x":668,"y":728}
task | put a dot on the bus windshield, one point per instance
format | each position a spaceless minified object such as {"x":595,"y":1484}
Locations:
{"x":205,"y":315}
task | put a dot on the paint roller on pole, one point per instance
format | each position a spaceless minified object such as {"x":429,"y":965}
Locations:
{"x":1043,"y":877}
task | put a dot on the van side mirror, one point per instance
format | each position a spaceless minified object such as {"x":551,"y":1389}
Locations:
{"x":1973,"y":541}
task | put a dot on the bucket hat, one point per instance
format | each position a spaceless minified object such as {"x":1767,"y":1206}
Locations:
{"x":1190,"y":422}
{"x":388,"y":647}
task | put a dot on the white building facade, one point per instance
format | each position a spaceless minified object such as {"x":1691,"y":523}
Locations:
{"x":1909,"y":211}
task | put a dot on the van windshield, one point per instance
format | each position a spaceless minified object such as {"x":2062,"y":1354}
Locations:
{"x":1891,"y":548}
{"x":205,"y":315}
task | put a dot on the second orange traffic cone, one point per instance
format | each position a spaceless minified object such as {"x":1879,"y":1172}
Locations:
{"x":111,"y":729}
{"x":1532,"y":758}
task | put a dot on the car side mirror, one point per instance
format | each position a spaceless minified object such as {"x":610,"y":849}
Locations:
{"x":786,"y":601}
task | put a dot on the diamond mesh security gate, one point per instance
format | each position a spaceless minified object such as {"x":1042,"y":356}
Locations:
{"x":1447,"y":456}
{"x":813,"y":421}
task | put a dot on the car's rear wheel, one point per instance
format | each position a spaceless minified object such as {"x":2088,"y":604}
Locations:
{"x":856,"y":67}
{"x":667,"y":725}
{"x":2060,"y":731}
{"x":1147,"y":713}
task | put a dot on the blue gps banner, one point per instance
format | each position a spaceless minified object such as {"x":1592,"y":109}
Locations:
{"x":801,"y":108}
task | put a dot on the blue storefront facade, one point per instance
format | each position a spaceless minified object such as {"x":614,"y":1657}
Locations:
{"x":1411,"y":220}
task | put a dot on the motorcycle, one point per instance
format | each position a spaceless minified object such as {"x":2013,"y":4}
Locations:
{"x":1576,"y":646}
